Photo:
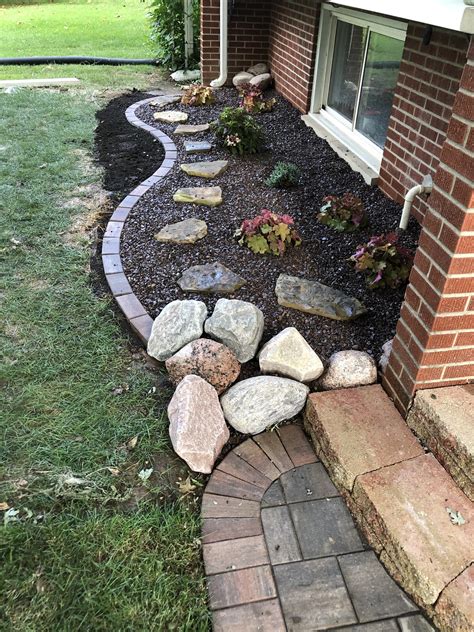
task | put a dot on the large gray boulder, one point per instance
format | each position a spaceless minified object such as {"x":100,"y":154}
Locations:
{"x":289,"y":354}
{"x":238,"y":325}
{"x":177,"y":324}
{"x":241,"y":78}
{"x":197,"y":429}
{"x":262,"y":81}
{"x":349,"y":368}
{"x":253,"y":405}
{"x":258,"y":69}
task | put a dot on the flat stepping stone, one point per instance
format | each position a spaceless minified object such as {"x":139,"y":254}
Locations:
{"x":205,"y":196}
{"x":197,"y":147}
{"x":183,"y":130}
{"x":315,"y":298}
{"x":186,"y":232}
{"x":164,"y":100}
{"x":171,"y":116}
{"x":210,"y":169}
{"x":212,"y":278}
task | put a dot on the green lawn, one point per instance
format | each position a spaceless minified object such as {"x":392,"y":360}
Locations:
{"x":86,"y":544}
{"x":99,"y":28}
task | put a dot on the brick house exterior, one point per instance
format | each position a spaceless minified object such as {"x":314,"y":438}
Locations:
{"x":430,"y":131}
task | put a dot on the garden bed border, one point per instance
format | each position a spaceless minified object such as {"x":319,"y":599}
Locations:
{"x":137,"y":316}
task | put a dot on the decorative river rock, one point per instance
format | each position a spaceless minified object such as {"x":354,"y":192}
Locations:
{"x":213,"y":278}
{"x":315,"y":298}
{"x":206,"y":196}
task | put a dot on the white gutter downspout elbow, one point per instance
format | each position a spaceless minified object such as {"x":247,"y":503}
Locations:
{"x":425,"y":187}
{"x":220,"y":81}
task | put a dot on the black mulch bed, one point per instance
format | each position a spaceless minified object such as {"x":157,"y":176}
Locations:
{"x":153,"y":268}
{"x":127,"y":154}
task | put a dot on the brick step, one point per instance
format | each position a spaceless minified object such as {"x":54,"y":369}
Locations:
{"x":443,"y":420}
{"x":400,"y":496}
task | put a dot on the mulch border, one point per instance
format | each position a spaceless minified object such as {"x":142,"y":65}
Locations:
{"x":138,"y":318}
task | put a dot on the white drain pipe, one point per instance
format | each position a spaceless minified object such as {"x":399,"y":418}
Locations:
{"x":425,"y":187}
{"x":220,"y":81}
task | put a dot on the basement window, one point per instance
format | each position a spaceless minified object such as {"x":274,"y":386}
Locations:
{"x":357,"y":68}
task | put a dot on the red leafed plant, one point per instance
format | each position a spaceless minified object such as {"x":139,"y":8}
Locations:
{"x":344,"y":214}
{"x":268,"y":233}
{"x":251,"y":99}
{"x":384,"y":261}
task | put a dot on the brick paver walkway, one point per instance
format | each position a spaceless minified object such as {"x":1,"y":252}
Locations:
{"x":282,"y":551}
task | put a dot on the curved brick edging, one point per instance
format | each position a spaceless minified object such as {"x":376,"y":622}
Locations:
{"x":137,"y":316}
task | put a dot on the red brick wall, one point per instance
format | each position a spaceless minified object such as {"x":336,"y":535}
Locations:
{"x":427,"y":85}
{"x":248,"y":36}
{"x":293,"y":35}
{"x":434,"y":344}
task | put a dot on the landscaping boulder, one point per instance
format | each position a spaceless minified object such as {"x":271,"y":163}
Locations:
{"x":258,"y":69}
{"x":209,"y":359}
{"x":348,"y":369}
{"x":384,"y":358}
{"x":197,"y":429}
{"x":290,"y":355}
{"x":238,"y":325}
{"x":315,"y":298}
{"x":241,"y":78}
{"x":253,"y":405}
{"x":186,"y":232}
{"x":177,"y":324}
{"x":263,"y":81}
{"x":210,"y":278}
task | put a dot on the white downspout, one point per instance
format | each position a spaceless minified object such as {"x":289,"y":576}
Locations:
{"x":220,"y":81}
{"x":425,"y":187}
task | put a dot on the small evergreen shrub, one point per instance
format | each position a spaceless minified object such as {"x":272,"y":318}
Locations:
{"x":344,"y":214}
{"x":238,"y":132}
{"x":197,"y":95}
{"x":252,"y":101}
{"x":283,"y":176}
{"x":383,"y":261}
{"x":268,"y":233}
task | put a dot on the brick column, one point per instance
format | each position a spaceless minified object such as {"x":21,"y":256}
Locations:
{"x":434,"y":343}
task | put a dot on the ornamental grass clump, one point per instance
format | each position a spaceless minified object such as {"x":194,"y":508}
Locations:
{"x":238,"y":132}
{"x":268,"y":233}
{"x":197,"y":95}
{"x":284,"y":176}
{"x":345,"y":214}
{"x":383,"y":261}
{"x":252,"y":101}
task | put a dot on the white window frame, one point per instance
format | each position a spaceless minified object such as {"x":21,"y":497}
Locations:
{"x":335,"y":124}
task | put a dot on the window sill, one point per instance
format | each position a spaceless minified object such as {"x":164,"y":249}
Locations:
{"x":362,"y":162}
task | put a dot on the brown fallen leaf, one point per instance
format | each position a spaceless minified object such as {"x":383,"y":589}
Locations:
{"x":4,"y":506}
{"x":114,"y":471}
{"x":132,"y":443}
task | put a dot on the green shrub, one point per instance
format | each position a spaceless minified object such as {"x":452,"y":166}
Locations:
{"x":238,"y":132}
{"x":167,"y":32}
{"x":344,"y":214}
{"x":283,"y":176}
{"x":268,"y":233}
{"x":198,"y":95}
{"x":386,"y":263}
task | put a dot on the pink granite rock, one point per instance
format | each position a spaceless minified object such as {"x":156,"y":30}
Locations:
{"x":197,"y":426}
{"x":211,"y":360}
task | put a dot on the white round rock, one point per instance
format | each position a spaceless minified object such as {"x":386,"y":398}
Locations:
{"x":253,"y":405}
{"x":348,"y":369}
{"x":289,"y":354}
